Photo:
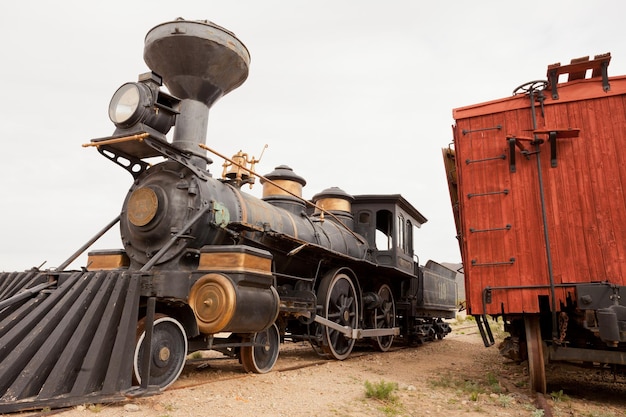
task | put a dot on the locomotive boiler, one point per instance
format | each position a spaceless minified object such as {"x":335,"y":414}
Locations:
{"x":205,"y":266}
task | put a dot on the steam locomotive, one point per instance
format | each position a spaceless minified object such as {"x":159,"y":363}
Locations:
{"x":205,"y":266}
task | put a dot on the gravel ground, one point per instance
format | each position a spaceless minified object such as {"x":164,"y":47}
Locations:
{"x":457,"y":376}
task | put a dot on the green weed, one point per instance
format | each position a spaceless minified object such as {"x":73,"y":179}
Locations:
{"x":559,"y":396}
{"x":382,"y":390}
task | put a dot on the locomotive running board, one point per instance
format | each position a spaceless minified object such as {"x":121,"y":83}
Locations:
{"x":356,"y":333}
{"x":69,"y":344}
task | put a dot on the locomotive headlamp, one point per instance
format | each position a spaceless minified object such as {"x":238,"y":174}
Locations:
{"x":143,"y":104}
{"x":124,"y":106}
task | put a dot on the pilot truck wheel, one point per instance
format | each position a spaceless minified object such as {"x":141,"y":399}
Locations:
{"x":261,"y":359}
{"x":168,"y":353}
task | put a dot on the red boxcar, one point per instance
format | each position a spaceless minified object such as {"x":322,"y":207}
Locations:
{"x":538,"y":186}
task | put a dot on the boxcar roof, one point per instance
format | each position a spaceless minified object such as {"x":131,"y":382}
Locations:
{"x":582,"y":89}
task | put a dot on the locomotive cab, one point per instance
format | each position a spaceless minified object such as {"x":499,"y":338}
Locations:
{"x":387,"y":222}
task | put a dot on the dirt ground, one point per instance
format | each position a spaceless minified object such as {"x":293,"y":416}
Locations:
{"x":457,"y":376}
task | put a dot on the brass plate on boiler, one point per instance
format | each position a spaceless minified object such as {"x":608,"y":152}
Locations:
{"x":142,"y":206}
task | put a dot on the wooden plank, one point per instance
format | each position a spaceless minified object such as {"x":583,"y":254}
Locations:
{"x":561,"y":133}
{"x":579,"y":72}
{"x":578,"y":67}
{"x":597,"y":72}
{"x":584,"y":197}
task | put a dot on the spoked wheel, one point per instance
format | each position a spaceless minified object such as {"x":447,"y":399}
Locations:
{"x":261,"y":359}
{"x":168,"y":353}
{"x":384,"y":317}
{"x":530,"y":86}
{"x":534,"y":345}
{"x":339,"y":304}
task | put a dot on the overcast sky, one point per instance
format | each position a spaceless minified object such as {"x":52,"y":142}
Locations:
{"x":353,"y":94}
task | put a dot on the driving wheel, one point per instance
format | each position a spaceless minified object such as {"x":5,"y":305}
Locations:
{"x":384,"y":317}
{"x":338,"y":299}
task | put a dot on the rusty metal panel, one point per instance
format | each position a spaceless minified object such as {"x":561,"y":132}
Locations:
{"x":506,"y":245}
{"x":75,"y":340}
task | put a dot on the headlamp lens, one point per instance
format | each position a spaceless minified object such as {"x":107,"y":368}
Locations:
{"x":124,"y":103}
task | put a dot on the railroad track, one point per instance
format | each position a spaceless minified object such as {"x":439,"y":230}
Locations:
{"x":302,"y":357}
{"x":290,"y":359}
{"x":216,"y":369}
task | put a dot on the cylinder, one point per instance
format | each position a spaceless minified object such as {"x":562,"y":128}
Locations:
{"x":222,"y":303}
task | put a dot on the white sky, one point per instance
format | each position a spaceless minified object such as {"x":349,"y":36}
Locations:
{"x":356,"y":94}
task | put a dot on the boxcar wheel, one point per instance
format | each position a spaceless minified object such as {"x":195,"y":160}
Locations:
{"x":169,"y":351}
{"x":339,"y":303}
{"x":261,"y":359}
{"x":534,"y":345}
{"x":384,"y":317}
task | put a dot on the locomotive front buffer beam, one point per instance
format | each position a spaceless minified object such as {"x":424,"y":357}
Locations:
{"x":351,"y":333}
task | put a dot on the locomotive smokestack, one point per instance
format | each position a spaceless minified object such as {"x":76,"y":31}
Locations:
{"x":199,"y":63}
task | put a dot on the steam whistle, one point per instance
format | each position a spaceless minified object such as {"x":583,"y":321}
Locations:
{"x":239,"y":169}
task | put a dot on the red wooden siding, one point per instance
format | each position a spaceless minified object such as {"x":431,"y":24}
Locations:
{"x":501,"y":225}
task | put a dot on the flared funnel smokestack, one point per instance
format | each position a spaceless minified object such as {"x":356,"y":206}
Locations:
{"x":199,"y":63}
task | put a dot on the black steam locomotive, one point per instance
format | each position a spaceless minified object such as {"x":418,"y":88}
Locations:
{"x":205,"y":265}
